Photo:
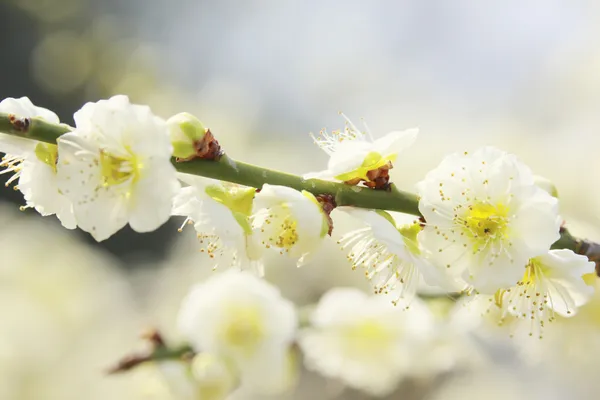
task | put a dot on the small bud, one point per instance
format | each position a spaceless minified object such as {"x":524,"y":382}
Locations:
{"x":214,"y":378}
{"x":546,"y":185}
{"x":185,"y":131}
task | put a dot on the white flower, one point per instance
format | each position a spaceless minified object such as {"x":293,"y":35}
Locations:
{"x":353,"y":154}
{"x":552,"y":284}
{"x":34,"y":164}
{"x":449,"y":345}
{"x":221,"y":216}
{"x":364,"y":341}
{"x":22,"y":108}
{"x":242,"y":318}
{"x":292,"y":221}
{"x":116,"y":169}
{"x":389,"y":253}
{"x":486,"y":218}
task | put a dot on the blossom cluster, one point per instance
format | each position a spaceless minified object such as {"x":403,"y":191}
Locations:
{"x":485,"y":230}
{"x":247,"y":337}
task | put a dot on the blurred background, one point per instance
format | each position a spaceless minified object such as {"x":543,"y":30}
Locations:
{"x":523,"y":76}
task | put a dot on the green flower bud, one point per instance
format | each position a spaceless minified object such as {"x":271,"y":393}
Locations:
{"x":185,"y":131}
{"x":215,"y":379}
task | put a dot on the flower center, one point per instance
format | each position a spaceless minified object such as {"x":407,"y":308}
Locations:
{"x":116,"y":170}
{"x":366,"y":337}
{"x":244,"y":330}
{"x":288,"y":233}
{"x":486,"y":221}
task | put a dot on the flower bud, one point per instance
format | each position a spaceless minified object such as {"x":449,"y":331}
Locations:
{"x":215,"y":379}
{"x":185,"y":131}
{"x":546,"y":185}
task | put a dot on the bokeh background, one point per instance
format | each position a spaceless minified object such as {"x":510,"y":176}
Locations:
{"x":523,"y":76}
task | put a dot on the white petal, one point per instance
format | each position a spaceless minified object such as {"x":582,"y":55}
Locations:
{"x":383,"y":230}
{"x":153,"y":199}
{"x":23,"y":107}
{"x":396,"y":142}
{"x":349,"y":155}
{"x":39,"y":185}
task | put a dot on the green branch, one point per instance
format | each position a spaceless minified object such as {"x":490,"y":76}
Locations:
{"x":230,"y":170}
{"x":160,"y":353}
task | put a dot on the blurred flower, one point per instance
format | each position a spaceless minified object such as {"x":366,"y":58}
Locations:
{"x":391,"y":255}
{"x":364,"y":341}
{"x":215,"y":379}
{"x":244,"y":320}
{"x":500,"y":383}
{"x":352,"y":155}
{"x":115,"y":167}
{"x":207,"y":377}
{"x":449,"y":346}
{"x":289,"y":220}
{"x":486,"y":218}
{"x":221,"y":216}
{"x":67,"y":314}
{"x":34,"y":164}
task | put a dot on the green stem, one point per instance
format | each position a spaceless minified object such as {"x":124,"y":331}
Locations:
{"x":160,"y":353}
{"x":228,"y":169}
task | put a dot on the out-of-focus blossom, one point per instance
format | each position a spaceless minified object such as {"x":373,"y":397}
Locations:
{"x":206,"y":377}
{"x":364,"y":341}
{"x":241,"y":318}
{"x":59,"y":327}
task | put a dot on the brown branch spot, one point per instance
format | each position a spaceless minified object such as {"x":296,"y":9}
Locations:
{"x":591,"y":250}
{"x":378,"y":179}
{"x":327,"y":202}
{"x":207,"y":148}
{"x":19,"y":124}
{"x":157,"y":350}
{"x":129,"y":362}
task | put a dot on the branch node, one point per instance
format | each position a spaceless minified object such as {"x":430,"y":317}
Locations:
{"x":158,"y":351}
{"x":589,"y":249}
{"x":19,"y":124}
{"x":378,"y":179}
{"x":207,"y":148}
{"x":327,"y":202}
